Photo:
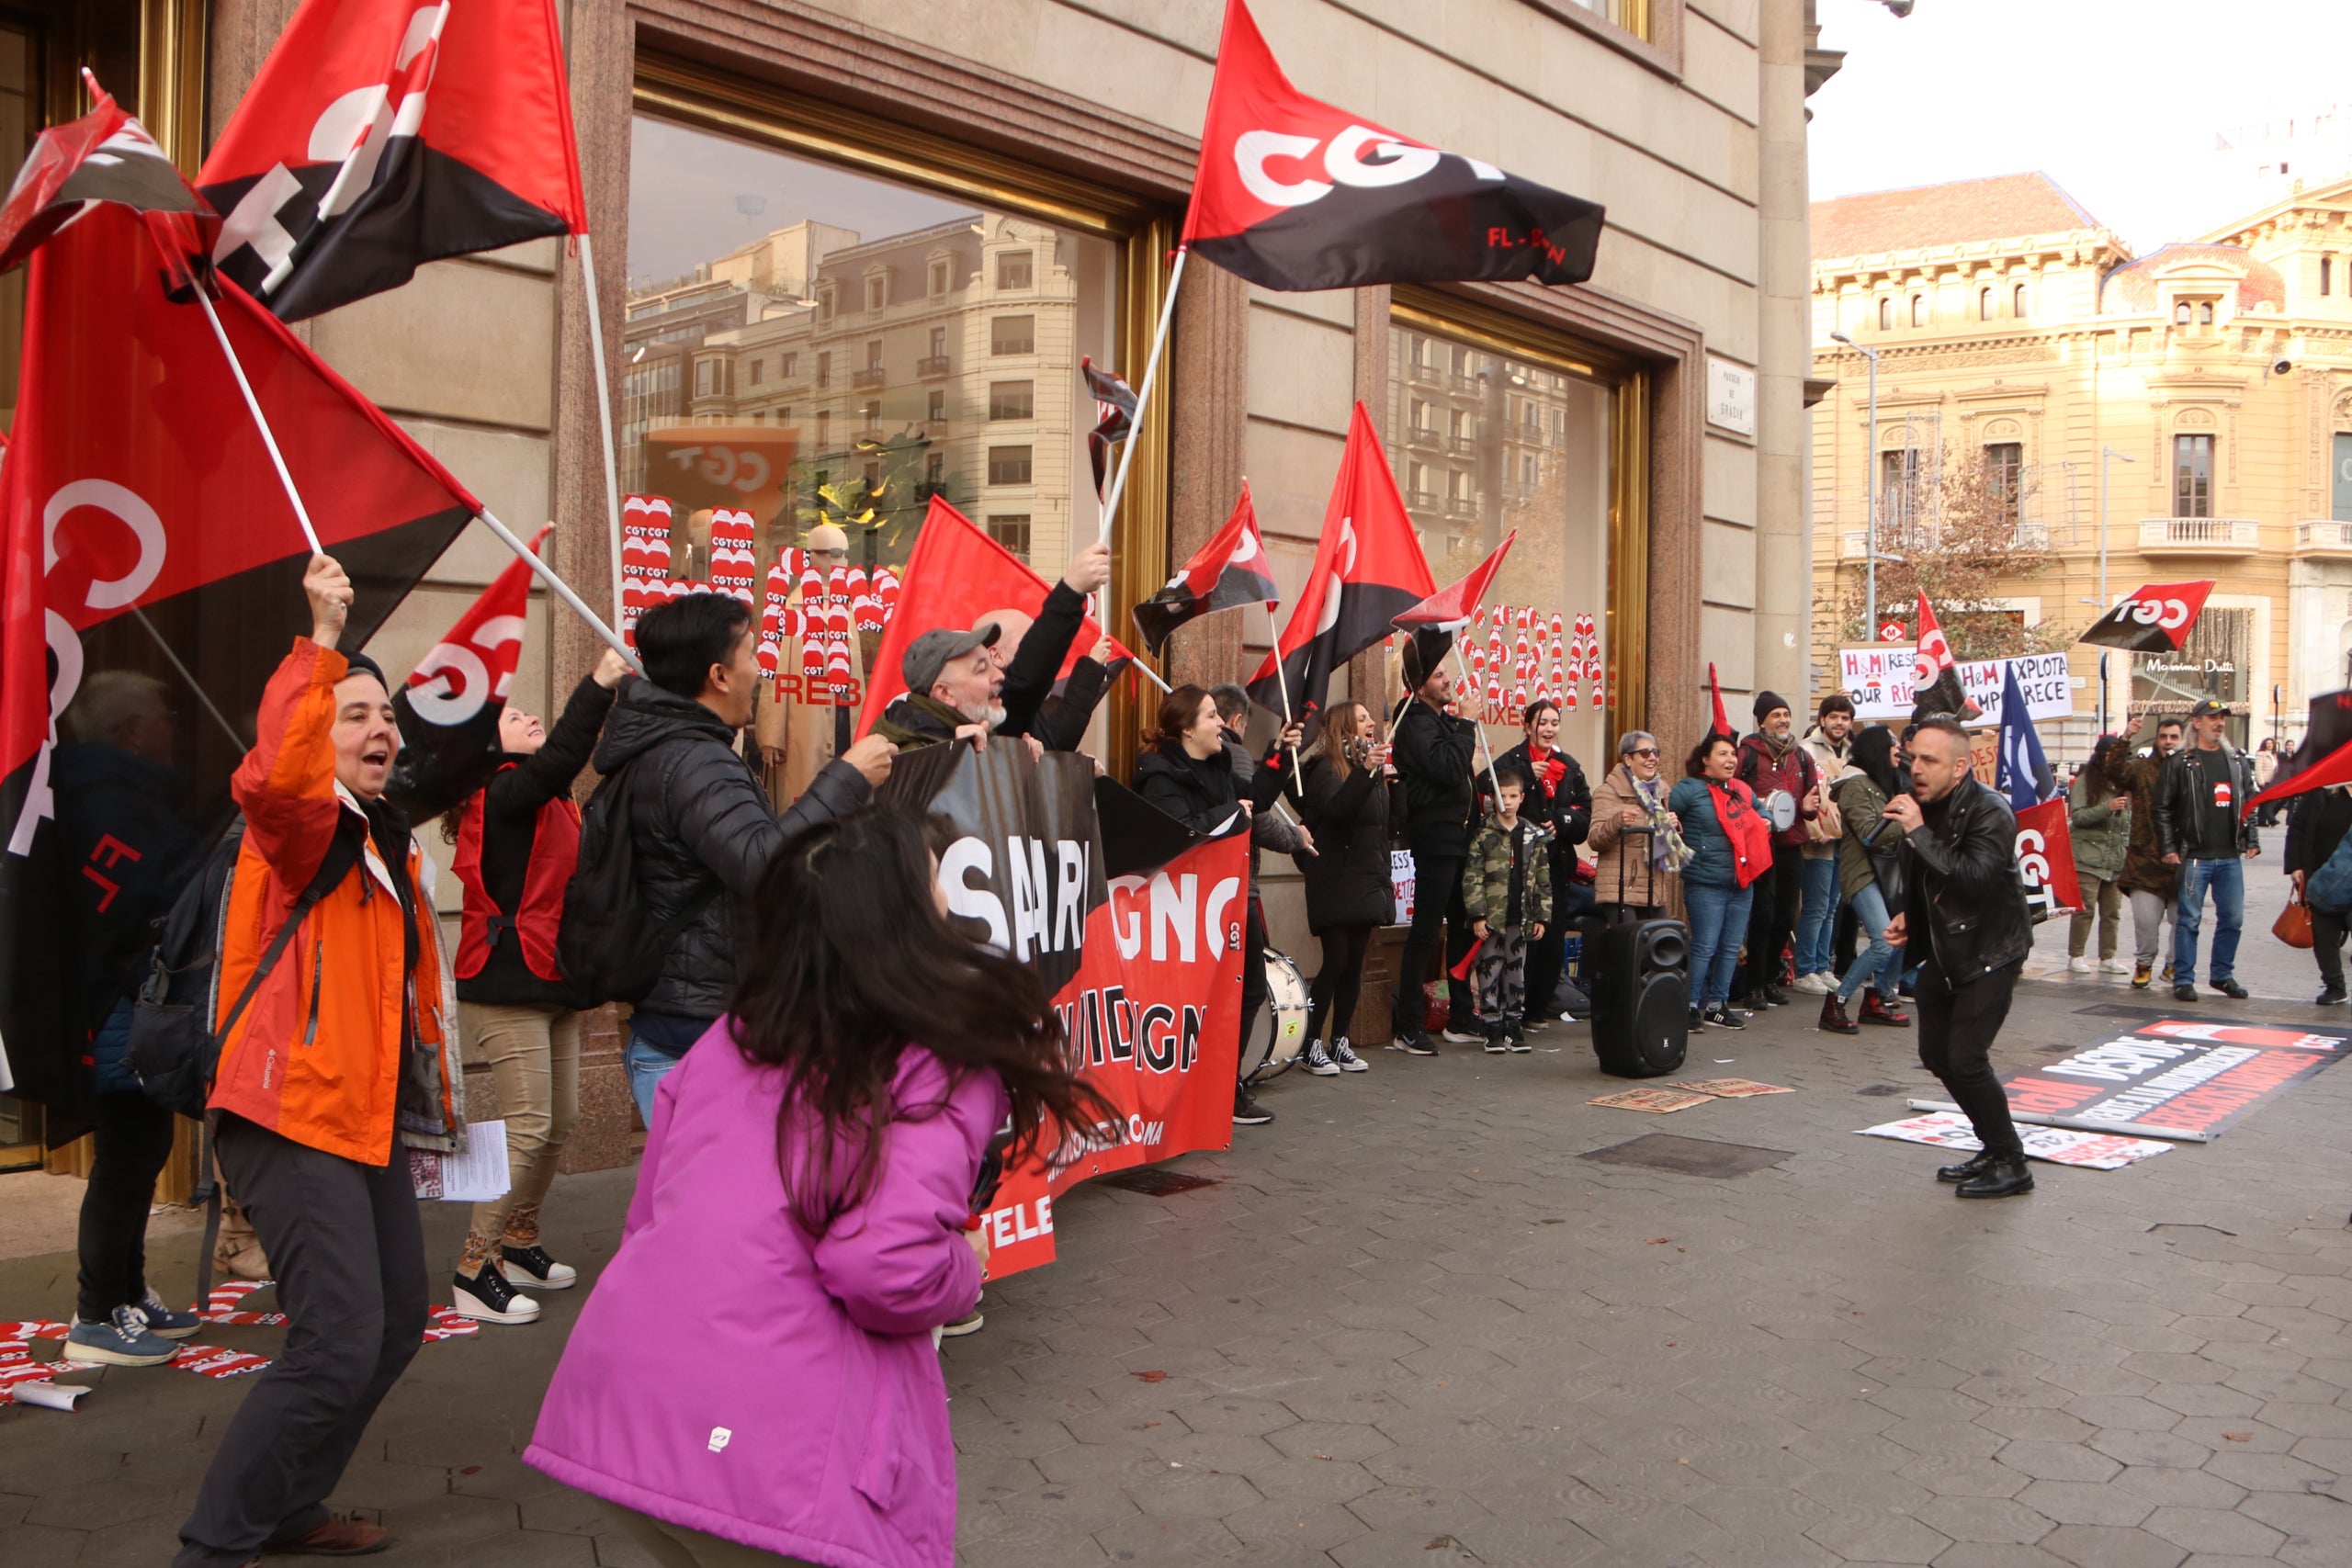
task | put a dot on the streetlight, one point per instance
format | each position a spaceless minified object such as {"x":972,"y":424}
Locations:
{"x":1870,"y":494}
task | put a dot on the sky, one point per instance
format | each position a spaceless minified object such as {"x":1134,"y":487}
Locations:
{"x":2120,"y":101}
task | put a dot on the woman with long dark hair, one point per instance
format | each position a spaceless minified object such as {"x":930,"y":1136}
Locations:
{"x":756,"y":1367}
{"x":1186,"y":772}
{"x":1866,"y":865}
{"x":1728,"y":853}
{"x":1344,"y":799}
{"x":2098,"y":816}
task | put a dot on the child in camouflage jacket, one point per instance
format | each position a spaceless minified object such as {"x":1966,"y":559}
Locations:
{"x":1506,"y":893}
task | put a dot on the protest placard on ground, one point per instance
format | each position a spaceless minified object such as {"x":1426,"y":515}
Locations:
{"x":2090,"y":1151}
{"x":2196,"y":1075}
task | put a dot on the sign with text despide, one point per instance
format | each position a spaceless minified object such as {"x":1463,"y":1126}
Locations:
{"x":1878,"y":681}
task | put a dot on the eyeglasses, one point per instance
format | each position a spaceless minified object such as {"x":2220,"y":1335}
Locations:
{"x":1643,"y":751}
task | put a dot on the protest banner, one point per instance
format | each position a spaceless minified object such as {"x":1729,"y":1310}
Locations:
{"x":1144,"y":959}
{"x":2185,"y":1078}
{"x":2090,"y":1151}
{"x":1879,"y":680}
{"x":2045,"y":850}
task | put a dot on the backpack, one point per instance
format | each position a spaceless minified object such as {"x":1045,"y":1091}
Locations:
{"x":174,"y":1049}
{"x":608,"y":948}
{"x":2330,"y":887}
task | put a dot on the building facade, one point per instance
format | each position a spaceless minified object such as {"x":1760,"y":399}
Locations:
{"x":841,"y":242}
{"x":2182,"y":415}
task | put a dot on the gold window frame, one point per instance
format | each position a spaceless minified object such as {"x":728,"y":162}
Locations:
{"x":1627,"y":603}
{"x":693,"y":96}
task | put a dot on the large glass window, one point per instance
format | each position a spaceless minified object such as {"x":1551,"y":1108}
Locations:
{"x":1530,"y":445}
{"x":2192,"y":476}
{"x":736,"y":249}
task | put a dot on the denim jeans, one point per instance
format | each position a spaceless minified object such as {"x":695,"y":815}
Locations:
{"x":1718,"y":922}
{"x":1818,"y":918}
{"x":657,"y":1043}
{"x":1882,"y":965}
{"x":2227,"y":879}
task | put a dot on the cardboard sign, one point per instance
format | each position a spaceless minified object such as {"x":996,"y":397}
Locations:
{"x":1400,"y":884}
{"x":1879,"y":681}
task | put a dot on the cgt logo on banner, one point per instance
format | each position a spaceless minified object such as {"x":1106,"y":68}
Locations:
{"x":2046,"y":860}
{"x":1145,"y":969}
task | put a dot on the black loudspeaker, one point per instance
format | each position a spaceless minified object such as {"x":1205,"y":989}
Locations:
{"x":1641,"y":996}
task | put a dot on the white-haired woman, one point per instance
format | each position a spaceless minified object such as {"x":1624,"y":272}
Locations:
{"x":1637,"y":841}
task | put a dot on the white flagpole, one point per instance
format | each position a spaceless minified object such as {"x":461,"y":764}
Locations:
{"x":604,"y":416}
{"x":529,"y":557}
{"x":1134,"y":436}
{"x":1463,"y":670}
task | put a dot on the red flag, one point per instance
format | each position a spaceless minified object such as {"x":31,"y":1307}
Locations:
{"x":137,"y":480}
{"x":1934,"y":654}
{"x":2045,"y":850}
{"x":1723,"y":720}
{"x":1368,"y":570}
{"x":1227,"y":573}
{"x":1295,"y":194}
{"x":340,"y":175}
{"x":2153,"y":619}
{"x":451,"y":707}
{"x":104,"y":156}
{"x":955,"y":575}
{"x":1452,"y":606}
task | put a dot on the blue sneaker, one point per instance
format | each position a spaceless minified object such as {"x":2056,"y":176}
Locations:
{"x":122,"y":1340}
{"x":164,"y":1322}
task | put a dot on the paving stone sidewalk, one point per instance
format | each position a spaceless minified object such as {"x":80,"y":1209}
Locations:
{"x":1410,"y":1323}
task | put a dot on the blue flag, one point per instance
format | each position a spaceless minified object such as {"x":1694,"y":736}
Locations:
{"x":2023,"y":772}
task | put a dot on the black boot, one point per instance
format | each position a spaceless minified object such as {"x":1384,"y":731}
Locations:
{"x":2005,"y":1177}
{"x":1974,"y":1165}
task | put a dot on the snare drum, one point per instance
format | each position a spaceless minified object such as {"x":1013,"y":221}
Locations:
{"x":1280,"y":1034}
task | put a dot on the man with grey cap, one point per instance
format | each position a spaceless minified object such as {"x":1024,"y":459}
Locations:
{"x":955,"y":688}
{"x":2202,"y":827}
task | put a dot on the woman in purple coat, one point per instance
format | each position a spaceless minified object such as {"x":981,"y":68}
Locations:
{"x":756,"y":1367}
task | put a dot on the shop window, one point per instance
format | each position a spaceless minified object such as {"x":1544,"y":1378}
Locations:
{"x":1011,"y":529}
{"x":1012,"y":399}
{"x":2192,"y":476}
{"x":1009,"y":464}
{"x":1016,"y":269}
{"x":1013,"y":335}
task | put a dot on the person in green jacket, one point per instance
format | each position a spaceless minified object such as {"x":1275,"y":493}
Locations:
{"x":2099,"y":812}
{"x":1506,"y":893}
{"x":1862,"y":797}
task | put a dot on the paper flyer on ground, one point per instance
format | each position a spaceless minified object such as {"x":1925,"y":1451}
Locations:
{"x":2090,"y":1151}
{"x":1731,"y":1089}
{"x":1659,"y":1101}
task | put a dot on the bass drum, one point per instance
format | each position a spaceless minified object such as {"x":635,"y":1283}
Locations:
{"x":1280,"y":1034}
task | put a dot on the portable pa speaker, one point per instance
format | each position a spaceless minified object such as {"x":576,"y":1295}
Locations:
{"x":1641,"y":997}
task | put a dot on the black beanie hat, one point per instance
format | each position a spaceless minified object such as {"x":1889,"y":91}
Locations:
{"x":1766,"y":702}
{"x":360,"y":664}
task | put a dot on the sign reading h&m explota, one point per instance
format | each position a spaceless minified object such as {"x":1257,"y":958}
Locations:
{"x":1879,"y":681}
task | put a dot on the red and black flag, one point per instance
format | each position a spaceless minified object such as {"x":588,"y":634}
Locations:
{"x":1295,"y":194}
{"x":1227,"y":573}
{"x":1452,"y":607}
{"x":450,"y":709}
{"x":1368,"y":570}
{"x":1934,"y":673}
{"x":383,"y":134}
{"x":104,"y":156}
{"x":1115,"y":418}
{"x":2153,"y":619}
{"x":1721,"y":724}
{"x":146,"y":532}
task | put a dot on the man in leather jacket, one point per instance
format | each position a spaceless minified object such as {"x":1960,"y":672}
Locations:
{"x":2202,"y":827}
{"x":1962,"y":893}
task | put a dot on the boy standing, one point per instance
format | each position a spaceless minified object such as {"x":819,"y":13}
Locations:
{"x":1507,"y":891}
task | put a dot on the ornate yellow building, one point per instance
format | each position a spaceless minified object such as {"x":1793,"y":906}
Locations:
{"x":2197,"y":400}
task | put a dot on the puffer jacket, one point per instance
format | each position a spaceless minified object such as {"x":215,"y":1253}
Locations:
{"x":702,"y":814}
{"x":1624,"y":870}
{"x":1862,"y":804}
{"x":1435,"y":755}
{"x":1963,"y":901}
{"x":2144,"y":870}
{"x":2101,"y":833}
{"x":1497,"y":854}
{"x":1346,"y":877}
{"x":349,"y":1041}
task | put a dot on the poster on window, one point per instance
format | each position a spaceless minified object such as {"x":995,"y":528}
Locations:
{"x":1878,"y":681}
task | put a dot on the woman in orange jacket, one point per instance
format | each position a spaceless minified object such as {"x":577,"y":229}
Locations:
{"x":339,"y":1064}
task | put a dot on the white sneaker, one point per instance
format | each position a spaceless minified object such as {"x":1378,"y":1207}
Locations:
{"x":1455,"y":1037}
{"x":1811,"y":985}
{"x":1320,"y":1062}
{"x":2079,"y":966}
{"x":1345,"y":1054}
{"x":2116,"y":966}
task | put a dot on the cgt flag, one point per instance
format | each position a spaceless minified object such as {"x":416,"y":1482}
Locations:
{"x":137,"y":482}
{"x":1227,"y":573}
{"x":1114,"y":417}
{"x":1934,"y":673}
{"x":450,"y":709}
{"x":2156,"y":618}
{"x":104,"y":156}
{"x":1294,"y":194}
{"x":1368,"y":570}
{"x":383,"y":134}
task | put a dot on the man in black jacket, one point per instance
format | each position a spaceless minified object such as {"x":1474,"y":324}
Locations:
{"x":1964,"y":907}
{"x":2202,"y":827}
{"x":701,"y":824}
{"x":2316,"y":823}
{"x":1434,"y":752}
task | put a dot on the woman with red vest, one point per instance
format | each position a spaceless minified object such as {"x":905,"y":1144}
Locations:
{"x":518,"y":839}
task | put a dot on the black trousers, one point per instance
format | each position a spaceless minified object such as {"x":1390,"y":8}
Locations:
{"x":1773,"y":918}
{"x":348,"y":1249}
{"x":2327,"y":944}
{"x":1332,"y":996}
{"x":1253,"y":965}
{"x":1956,"y":1032}
{"x":1437,"y":902}
{"x":133,"y":1138}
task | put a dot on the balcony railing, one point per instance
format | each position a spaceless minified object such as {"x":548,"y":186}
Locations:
{"x":1462,"y":446}
{"x":1465,"y":383}
{"x":1461,"y":506}
{"x":1427,"y":375}
{"x":2323,"y":537}
{"x":2199,"y":536}
{"x":931,"y":366}
{"x":1423,"y":436}
{"x":868,"y":380}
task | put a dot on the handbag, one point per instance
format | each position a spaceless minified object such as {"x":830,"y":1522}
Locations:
{"x":2293,"y":925}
